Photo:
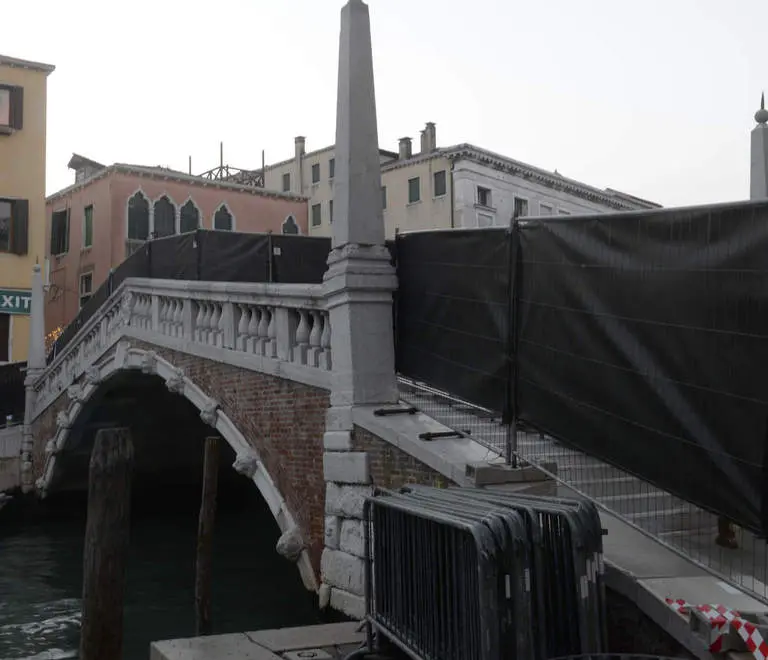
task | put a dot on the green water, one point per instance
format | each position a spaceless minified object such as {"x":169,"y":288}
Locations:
{"x":41,"y":574}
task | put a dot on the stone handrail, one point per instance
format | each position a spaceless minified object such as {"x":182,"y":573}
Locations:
{"x":258,"y":324}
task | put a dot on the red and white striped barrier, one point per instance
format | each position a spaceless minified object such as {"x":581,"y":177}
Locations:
{"x":720,"y":621}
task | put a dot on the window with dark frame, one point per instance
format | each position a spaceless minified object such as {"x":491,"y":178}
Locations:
{"x":439,"y":183}
{"x":86,"y":288}
{"x":222,"y":219}
{"x":545,"y":209}
{"x":6,"y":221}
{"x":11,"y":108}
{"x":138,"y":217}
{"x":165,"y":218}
{"x":189,"y":217}
{"x":316,"y":173}
{"x":317,"y":215}
{"x":60,"y":232}
{"x":331,"y":168}
{"x":330,"y":211}
{"x":520,"y":208}
{"x":88,"y":226}
{"x":290,"y":226}
{"x":5,"y":338}
{"x":14,"y":226}
{"x":383,"y":197}
{"x":414,"y":190}
{"x":484,"y":197}
{"x":286,"y":182}
{"x":563,"y":212}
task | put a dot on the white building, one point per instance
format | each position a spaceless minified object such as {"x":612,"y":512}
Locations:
{"x":446,"y":187}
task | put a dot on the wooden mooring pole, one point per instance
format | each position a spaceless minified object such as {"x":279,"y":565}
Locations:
{"x":106,"y":544}
{"x":204,"y":563}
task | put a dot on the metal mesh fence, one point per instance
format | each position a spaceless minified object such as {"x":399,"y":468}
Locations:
{"x":678,"y":524}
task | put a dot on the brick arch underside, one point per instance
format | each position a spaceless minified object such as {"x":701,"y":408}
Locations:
{"x":275,"y":427}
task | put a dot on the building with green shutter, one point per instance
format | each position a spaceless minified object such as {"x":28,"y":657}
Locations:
{"x":23,"y":95}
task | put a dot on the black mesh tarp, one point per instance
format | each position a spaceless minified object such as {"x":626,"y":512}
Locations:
{"x":213,"y":256}
{"x":643,"y":341}
{"x":640,"y":338}
{"x":12,"y":392}
{"x":452,"y":312}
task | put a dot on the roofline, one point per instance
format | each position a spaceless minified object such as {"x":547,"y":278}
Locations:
{"x":382,"y":152}
{"x":6,"y":60}
{"x":140,"y":170}
{"x":616,"y":199}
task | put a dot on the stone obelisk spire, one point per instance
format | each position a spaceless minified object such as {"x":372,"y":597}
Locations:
{"x":360,"y":280}
{"x":358,"y":288}
{"x":758,"y":174}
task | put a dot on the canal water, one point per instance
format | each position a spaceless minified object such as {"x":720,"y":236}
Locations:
{"x":41,"y":573}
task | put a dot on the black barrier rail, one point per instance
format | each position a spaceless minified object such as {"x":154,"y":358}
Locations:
{"x":12,"y":392}
{"x":468,"y":573}
{"x":212,"y":256}
{"x":637,"y":338}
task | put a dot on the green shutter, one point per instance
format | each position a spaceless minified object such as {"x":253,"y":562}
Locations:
{"x":17,"y":108}
{"x":20,"y":226}
{"x":66,"y":234}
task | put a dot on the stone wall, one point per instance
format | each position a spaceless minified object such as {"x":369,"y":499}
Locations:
{"x":283,"y":420}
{"x":356,"y":461}
{"x":10,"y":452}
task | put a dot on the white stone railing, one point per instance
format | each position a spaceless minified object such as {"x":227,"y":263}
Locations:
{"x":276,"y":328}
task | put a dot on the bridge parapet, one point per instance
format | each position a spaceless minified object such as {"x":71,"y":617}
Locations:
{"x":282,"y":329}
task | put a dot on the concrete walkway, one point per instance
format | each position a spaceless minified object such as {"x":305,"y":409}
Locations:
{"x":325,"y":642}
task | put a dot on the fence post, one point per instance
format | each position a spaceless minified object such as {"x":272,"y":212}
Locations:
{"x":509,"y":416}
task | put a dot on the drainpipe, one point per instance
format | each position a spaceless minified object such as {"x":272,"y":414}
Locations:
{"x":453,"y":201}
{"x":35,"y":366}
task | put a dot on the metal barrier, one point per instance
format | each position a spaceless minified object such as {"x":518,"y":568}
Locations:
{"x":680,"y":525}
{"x":464,"y":573}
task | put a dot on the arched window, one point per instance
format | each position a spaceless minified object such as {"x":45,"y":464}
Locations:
{"x":165,"y":217}
{"x":189,"y":217}
{"x":138,"y":217}
{"x":290,"y":226}
{"x":222,"y":219}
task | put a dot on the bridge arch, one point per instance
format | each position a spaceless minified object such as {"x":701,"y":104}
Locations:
{"x":247,"y":460}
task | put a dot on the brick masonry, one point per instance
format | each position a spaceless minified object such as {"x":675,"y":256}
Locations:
{"x":391,"y":467}
{"x":282,"y":419}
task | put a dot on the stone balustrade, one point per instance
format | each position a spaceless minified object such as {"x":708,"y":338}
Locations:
{"x":268,"y":327}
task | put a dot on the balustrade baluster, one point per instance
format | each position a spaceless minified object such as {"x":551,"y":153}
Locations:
{"x":302,"y":337}
{"x":262,"y":331}
{"x":241,"y":342}
{"x":271,"y":346}
{"x":198,"y":333}
{"x":253,"y":330}
{"x":313,"y":354}
{"x":215,"y":339}
{"x":178,"y":319}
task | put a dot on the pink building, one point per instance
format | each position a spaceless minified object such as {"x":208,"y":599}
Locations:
{"x":93,"y":225}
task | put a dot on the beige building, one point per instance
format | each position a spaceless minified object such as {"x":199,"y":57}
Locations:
{"x":446,"y":187}
{"x":23,"y":94}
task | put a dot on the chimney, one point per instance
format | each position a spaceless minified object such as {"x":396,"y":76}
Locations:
{"x":406,"y":150}
{"x":300,"y":143}
{"x":429,"y":142}
{"x":297,"y":179}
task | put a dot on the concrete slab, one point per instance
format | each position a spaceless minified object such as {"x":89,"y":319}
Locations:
{"x":309,"y":637}
{"x":703,"y":590}
{"x":216,"y":647}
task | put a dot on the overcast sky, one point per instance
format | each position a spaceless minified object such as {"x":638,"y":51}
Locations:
{"x":655,"y":98}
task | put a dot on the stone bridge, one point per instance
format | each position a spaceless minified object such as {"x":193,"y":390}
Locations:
{"x":292,"y":377}
{"x":253,"y":364}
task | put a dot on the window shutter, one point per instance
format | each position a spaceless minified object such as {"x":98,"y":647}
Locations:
{"x":17,"y":108}
{"x":66,"y":234}
{"x":20,"y":230}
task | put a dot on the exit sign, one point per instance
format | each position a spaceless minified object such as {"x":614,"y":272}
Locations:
{"x":15,"y":301}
